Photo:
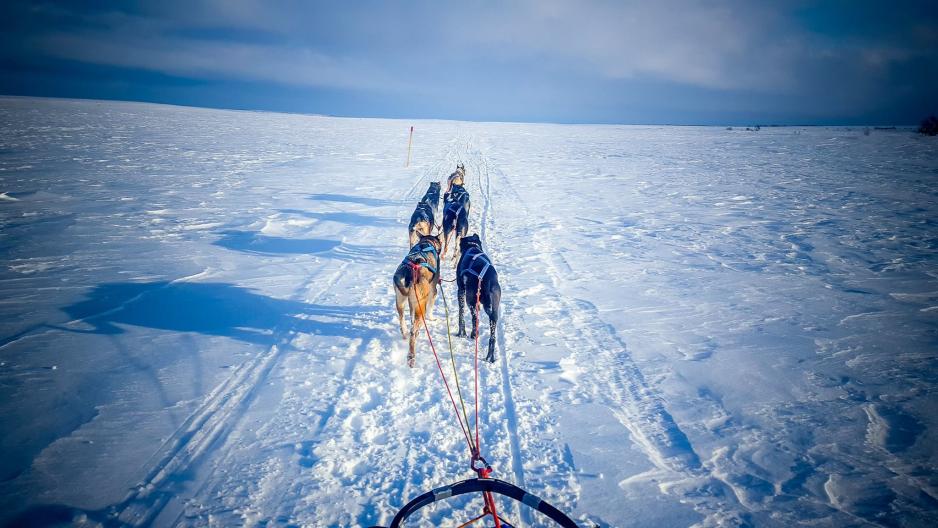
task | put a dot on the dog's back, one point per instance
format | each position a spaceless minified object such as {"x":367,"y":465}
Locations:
{"x":423,"y":212}
{"x":457,"y":195}
{"x":476,"y":273}
{"x":421,"y":222}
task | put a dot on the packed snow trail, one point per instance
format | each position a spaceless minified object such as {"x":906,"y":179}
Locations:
{"x":699,"y":326}
{"x":302,"y":503}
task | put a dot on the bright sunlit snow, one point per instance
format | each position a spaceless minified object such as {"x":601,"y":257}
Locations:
{"x":700,"y":326}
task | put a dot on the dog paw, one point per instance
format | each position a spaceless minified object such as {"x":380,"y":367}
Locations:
{"x":490,"y":358}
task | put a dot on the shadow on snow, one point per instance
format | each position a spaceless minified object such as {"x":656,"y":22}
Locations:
{"x":217,"y":309}
{"x":361,"y":200}
{"x":260,"y":244}
{"x":353,"y":219}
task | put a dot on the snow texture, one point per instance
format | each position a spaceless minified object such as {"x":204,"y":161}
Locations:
{"x":700,"y":326}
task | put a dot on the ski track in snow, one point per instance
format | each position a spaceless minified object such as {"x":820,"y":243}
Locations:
{"x":212,"y":420}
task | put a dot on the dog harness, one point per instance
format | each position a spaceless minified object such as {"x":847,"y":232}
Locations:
{"x":457,"y":198}
{"x":452,"y":206}
{"x":418,"y":255}
{"x":479,"y":263}
{"x":432,"y":192}
{"x":425,"y":210}
{"x":457,"y":194}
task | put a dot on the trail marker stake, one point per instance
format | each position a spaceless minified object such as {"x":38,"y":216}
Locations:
{"x":409,"y":141}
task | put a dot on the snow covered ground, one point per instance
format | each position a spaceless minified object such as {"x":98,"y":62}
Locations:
{"x":700,"y":326}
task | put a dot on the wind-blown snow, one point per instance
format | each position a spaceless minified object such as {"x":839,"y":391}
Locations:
{"x":700,"y":326}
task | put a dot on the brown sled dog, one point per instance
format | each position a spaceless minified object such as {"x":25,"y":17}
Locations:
{"x":415,"y":283}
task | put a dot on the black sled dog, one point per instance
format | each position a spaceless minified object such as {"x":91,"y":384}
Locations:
{"x":415,"y":282}
{"x":455,"y":219}
{"x":477,"y":282}
{"x":421,"y":221}
{"x":432,"y":196}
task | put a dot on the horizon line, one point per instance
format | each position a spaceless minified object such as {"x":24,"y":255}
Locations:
{"x":571,"y":123}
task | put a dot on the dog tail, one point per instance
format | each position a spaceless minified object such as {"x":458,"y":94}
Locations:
{"x":402,"y":281}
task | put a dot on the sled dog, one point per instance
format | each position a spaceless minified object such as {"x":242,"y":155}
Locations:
{"x":432,"y":196}
{"x":455,"y":218}
{"x":477,"y":281}
{"x":456,"y":178}
{"x":421,"y":222}
{"x":415,"y":282}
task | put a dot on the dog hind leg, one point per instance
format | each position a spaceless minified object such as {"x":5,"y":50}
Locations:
{"x":460,"y":229}
{"x":495,"y":299}
{"x":415,"y":315}
{"x":431,"y":301}
{"x":445,"y":243}
{"x":475,"y":318}
{"x":400,"y":301}
{"x":461,"y":300}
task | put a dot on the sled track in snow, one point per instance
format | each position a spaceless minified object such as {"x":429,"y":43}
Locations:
{"x":511,"y":414}
{"x":628,"y":395}
{"x":220,"y":411}
{"x":210,"y":422}
{"x":279,"y":487}
{"x":615,"y":381}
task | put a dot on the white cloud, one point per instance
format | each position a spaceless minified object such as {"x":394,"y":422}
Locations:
{"x":731,"y":45}
{"x":135,"y":42}
{"x":705,"y":44}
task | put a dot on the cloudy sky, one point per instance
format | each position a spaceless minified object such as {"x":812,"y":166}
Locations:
{"x":686,"y":62}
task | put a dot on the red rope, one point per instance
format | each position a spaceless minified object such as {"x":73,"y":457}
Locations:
{"x":416,"y":268}
{"x":478,"y":295}
{"x":483,"y":472}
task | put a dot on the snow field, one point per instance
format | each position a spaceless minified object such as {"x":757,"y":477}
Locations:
{"x":699,"y":326}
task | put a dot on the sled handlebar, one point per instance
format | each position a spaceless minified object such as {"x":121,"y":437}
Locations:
{"x":479,"y":485}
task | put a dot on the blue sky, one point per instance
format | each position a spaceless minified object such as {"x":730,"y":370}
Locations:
{"x":686,"y":62}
